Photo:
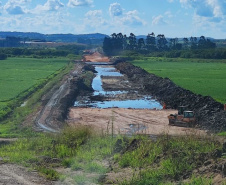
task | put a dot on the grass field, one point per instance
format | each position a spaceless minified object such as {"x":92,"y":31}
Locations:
{"x":19,"y":74}
{"x":205,"y":77}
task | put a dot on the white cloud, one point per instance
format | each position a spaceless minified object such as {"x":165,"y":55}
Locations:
{"x":115,"y":9}
{"x":94,"y":19}
{"x":170,"y":1}
{"x":168,"y":14}
{"x":74,"y":3}
{"x":120,"y":18}
{"x":214,"y":25}
{"x":210,"y":15}
{"x":132,"y":18}
{"x":15,"y":7}
{"x":50,"y":5}
{"x":94,"y":13}
{"x":207,"y":8}
{"x":158,"y":20}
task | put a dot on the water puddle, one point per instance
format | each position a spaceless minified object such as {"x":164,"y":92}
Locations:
{"x":135,"y":104}
{"x":145,"y":102}
{"x":97,"y":81}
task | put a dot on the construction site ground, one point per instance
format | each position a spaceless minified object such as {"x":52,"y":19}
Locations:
{"x":123,"y":120}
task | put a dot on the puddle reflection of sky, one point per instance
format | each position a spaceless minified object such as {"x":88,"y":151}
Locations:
{"x":145,"y":103}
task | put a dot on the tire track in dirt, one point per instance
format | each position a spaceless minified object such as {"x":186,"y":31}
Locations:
{"x":44,"y":119}
{"x":135,"y":118}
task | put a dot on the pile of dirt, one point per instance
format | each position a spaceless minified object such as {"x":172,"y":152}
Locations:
{"x":209,"y":113}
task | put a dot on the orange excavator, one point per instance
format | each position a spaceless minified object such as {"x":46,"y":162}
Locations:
{"x":184,"y":118}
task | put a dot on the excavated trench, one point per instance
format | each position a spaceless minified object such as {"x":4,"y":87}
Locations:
{"x":127,"y":97}
{"x":123,"y":105}
{"x":112,"y":89}
{"x":209,"y":113}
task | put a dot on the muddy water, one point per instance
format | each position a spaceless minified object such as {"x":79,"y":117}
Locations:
{"x":110,"y":98}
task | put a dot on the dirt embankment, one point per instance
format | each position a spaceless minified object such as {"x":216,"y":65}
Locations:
{"x":57,"y":103}
{"x":209,"y":113}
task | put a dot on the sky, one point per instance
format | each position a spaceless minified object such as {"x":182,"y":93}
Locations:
{"x":173,"y":18}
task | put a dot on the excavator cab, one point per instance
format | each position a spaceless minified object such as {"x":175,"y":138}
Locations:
{"x":181,"y":109}
{"x":184,"y":117}
{"x":189,"y":114}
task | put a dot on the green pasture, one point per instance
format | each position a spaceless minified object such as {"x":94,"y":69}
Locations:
{"x":205,"y":77}
{"x":19,"y":74}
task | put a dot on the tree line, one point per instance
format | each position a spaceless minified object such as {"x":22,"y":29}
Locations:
{"x":117,"y":43}
{"x":60,"y":51}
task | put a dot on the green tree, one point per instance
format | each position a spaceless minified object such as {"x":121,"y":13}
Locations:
{"x":194,"y":43}
{"x":141,"y":44}
{"x":151,"y":42}
{"x":132,"y":42}
{"x":186,"y":43}
{"x":107,"y":46}
{"x":162,"y":42}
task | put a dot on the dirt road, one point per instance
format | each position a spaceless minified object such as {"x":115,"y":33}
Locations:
{"x":11,"y":174}
{"x":95,"y":57}
{"x":128,"y":121}
{"x":45,"y":120}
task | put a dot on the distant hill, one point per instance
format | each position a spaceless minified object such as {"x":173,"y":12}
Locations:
{"x":94,"y":38}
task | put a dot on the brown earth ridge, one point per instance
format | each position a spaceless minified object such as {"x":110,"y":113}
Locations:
{"x":210,"y":114}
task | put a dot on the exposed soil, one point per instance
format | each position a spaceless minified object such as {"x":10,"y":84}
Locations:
{"x":209,"y":113}
{"x":51,"y":117}
{"x":125,"y":121}
{"x":137,"y":83}
{"x":128,"y":121}
{"x":11,"y":174}
{"x":95,"y":57}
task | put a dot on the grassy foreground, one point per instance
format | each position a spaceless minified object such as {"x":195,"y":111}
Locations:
{"x":201,"y":76}
{"x":164,"y":161}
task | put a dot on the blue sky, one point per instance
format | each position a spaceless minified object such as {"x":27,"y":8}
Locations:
{"x":174,"y":18}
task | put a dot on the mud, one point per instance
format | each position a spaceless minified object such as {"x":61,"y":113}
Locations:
{"x":209,"y":113}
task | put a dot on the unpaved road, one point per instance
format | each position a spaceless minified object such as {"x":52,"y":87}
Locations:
{"x":128,"y":121}
{"x":95,"y":57}
{"x":11,"y":174}
{"x":44,"y":120}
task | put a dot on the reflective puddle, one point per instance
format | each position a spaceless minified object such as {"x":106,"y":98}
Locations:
{"x":145,"y":102}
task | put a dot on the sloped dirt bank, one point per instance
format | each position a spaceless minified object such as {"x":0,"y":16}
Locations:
{"x":57,"y":103}
{"x":209,"y":113}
